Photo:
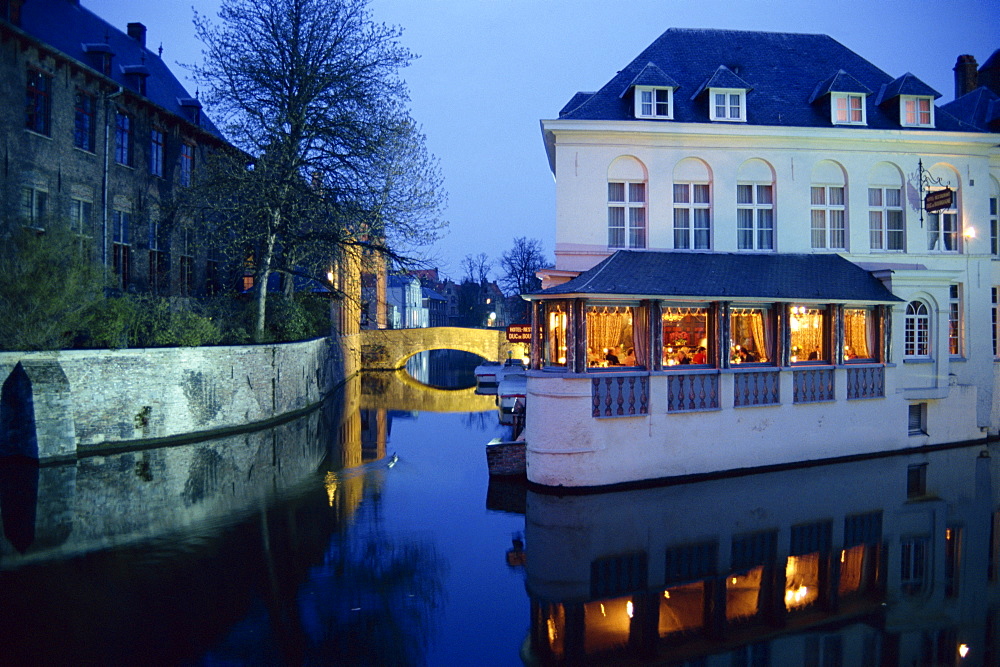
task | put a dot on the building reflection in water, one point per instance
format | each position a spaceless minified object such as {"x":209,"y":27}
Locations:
{"x":889,"y":561}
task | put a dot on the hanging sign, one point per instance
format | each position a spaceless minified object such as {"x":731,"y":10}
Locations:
{"x":939,"y":200}
{"x":517,"y":333}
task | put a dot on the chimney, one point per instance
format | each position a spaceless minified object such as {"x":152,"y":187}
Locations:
{"x":966,"y":73}
{"x":137,"y":31}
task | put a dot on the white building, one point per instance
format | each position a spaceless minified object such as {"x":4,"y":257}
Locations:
{"x":745,"y":213}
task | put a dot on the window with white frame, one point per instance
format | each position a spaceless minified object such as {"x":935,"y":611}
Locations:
{"x":33,"y":207}
{"x":914,"y":556}
{"x":942,"y":231}
{"x":994,"y":226}
{"x":626,"y":214}
{"x":916,"y":111}
{"x":755,"y":216}
{"x":692,"y":216}
{"x":994,"y":292}
{"x":887,"y":230}
{"x":955,"y":320}
{"x":651,"y":102}
{"x":917,"y":330}
{"x":829,"y":217}
{"x":81,"y":216}
{"x":848,"y":109}
{"x":727,"y":104}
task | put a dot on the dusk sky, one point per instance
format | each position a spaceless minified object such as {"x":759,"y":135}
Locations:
{"x":489,"y":70}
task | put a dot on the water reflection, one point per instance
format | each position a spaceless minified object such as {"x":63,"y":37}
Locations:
{"x":849,"y":564}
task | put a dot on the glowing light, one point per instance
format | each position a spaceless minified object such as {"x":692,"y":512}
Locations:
{"x":552,"y":630}
{"x":963,"y":650}
{"x":734,"y":581}
{"x":843,"y":556}
{"x":794,"y":596}
{"x":629,"y":609}
{"x":969,"y":233}
{"x":603,"y":613}
{"x":666,"y":594}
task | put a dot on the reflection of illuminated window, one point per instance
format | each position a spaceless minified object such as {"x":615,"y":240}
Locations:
{"x":751,"y":340}
{"x":952,"y":559}
{"x":553,"y":630}
{"x":801,"y":581}
{"x":806,"y":323}
{"x":612,"y":340}
{"x":743,"y":594}
{"x":685,"y":335}
{"x":859,"y":333}
{"x":555,"y":334}
{"x":682,"y":608}
{"x":851,"y":569}
{"x":607,"y":624}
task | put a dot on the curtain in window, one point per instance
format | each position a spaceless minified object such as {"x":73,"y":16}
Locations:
{"x":859,"y":334}
{"x":640,"y":336}
{"x":749,"y":333}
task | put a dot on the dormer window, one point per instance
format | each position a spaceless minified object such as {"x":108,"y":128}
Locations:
{"x":848,"y":109}
{"x":916,"y":111}
{"x":727,"y":104}
{"x":652,"y":102}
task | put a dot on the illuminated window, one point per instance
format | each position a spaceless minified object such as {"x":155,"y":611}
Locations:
{"x":626,"y":215}
{"x":808,"y":325}
{"x":755,"y":216}
{"x":751,"y":335}
{"x":917,"y":111}
{"x":685,"y":335}
{"x":682,"y":609}
{"x":860,"y":334}
{"x":802,"y":583}
{"x":556,"y":321}
{"x":955,"y":337}
{"x":885,"y":219}
{"x":743,"y":594}
{"x":692,"y":216}
{"x":828,"y":213}
{"x":608,"y":624}
{"x":616,"y":335}
{"x":848,"y":108}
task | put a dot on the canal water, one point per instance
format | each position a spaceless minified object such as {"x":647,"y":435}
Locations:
{"x":369,"y":533}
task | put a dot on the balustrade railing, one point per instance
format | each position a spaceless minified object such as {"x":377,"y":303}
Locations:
{"x":865,"y":382}
{"x":620,"y":395}
{"x":756,"y":388}
{"x":812,"y":385}
{"x":690,"y":392}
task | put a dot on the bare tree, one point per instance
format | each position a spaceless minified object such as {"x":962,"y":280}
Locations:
{"x":310,"y":94}
{"x":477,"y":268}
{"x":519,"y":266}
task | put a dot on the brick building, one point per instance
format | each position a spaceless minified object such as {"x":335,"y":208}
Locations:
{"x":100,"y":136}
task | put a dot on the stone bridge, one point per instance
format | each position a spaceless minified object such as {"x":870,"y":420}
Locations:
{"x":396,"y":390}
{"x":388,"y":349}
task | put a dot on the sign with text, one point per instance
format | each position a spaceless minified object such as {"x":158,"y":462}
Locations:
{"x":939,"y":200}
{"x":519,"y":333}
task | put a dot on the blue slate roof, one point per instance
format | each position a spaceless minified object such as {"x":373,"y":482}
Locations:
{"x":651,"y":75}
{"x":74,"y":30}
{"x":840,"y":82}
{"x":782,"y":71}
{"x":981,"y":108}
{"x":727,"y":276}
{"x":723,"y":77}
{"x":906,"y":85}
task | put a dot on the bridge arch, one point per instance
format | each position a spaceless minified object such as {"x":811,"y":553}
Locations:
{"x":388,"y":349}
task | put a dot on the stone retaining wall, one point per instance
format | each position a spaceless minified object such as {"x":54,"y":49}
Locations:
{"x":88,"y":399}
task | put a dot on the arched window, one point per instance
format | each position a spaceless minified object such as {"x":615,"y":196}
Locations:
{"x":828,"y":206}
{"x":886,"y":224}
{"x":917,"y":330}
{"x":692,"y":205}
{"x":626,"y":204}
{"x":755,"y":206}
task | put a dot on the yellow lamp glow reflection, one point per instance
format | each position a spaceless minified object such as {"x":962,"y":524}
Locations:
{"x":963,"y":650}
{"x":969,"y":233}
